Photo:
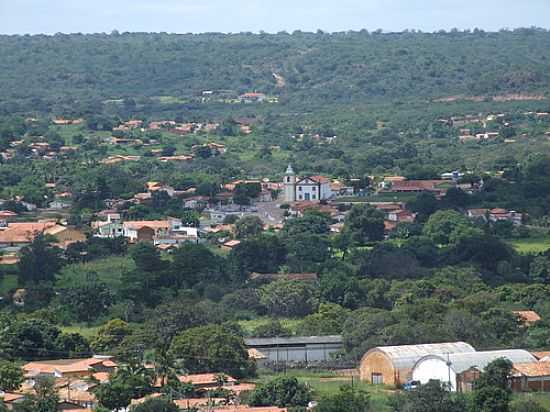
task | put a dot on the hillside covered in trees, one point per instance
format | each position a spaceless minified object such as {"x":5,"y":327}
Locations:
{"x":309,"y":68}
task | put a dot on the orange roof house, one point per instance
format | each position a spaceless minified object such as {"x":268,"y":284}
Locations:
{"x":18,"y":234}
{"x":531,"y":377}
{"x":145,"y":230}
{"x":69,"y":367}
{"x":528,"y":317}
{"x":231,"y":244}
{"x":205,"y":379}
{"x":65,"y":235}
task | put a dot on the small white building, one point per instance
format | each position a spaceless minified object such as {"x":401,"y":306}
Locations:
{"x":308,"y":189}
{"x":460,"y":370}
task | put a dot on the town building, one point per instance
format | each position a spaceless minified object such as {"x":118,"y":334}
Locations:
{"x":531,"y":377}
{"x":496,"y":215}
{"x":392,"y":365}
{"x":527,"y":317}
{"x":460,"y":370}
{"x":297,"y":348}
{"x":69,"y":368}
{"x":17,"y":235}
{"x":308,"y":189}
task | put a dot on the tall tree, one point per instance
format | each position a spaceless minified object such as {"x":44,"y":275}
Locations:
{"x":212,"y":348}
{"x":40,"y":261}
{"x":11,"y":376}
{"x":365,"y":224}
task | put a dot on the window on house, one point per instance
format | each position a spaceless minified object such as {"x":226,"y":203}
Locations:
{"x":377,"y":379}
{"x":300,"y":197}
{"x":314,"y":188}
{"x":299,"y":188}
{"x":313,"y":197}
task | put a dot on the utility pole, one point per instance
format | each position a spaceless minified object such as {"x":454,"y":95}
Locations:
{"x":449,"y":370}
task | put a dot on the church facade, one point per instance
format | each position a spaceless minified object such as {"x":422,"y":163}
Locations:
{"x":305,"y":189}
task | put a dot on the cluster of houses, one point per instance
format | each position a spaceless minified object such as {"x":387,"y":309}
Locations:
{"x":165,"y":234}
{"x":456,"y":364}
{"x":170,"y":126}
{"x":480,"y":127}
{"x":76,"y":379}
{"x":39,"y":148}
{"x":219,"y":210}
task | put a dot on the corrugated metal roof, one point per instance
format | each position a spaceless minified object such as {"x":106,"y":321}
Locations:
{"x":293,"y":340}
{"x":405,"y":356}
{"x":460,"y":362}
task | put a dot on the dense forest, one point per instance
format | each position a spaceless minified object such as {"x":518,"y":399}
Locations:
{"x":342,"y":67}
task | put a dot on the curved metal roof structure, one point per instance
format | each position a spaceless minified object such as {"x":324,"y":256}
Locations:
{"x":460,"y":362}
{"x":406,"y":356}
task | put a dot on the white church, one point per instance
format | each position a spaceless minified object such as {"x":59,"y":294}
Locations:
{"x":305,"y":189}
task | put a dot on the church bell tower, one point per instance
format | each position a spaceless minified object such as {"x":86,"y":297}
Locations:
{"x":290,"y":184}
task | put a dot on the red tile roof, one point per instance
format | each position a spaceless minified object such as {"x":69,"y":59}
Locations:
{"x":23,"y":232}
{"x":204,"y":378}
{"x":533,"y":369}
{"x":527,"y":316}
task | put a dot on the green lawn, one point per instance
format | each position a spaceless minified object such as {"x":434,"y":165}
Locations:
{"x":108,"y":271}
{"x":542,"y":398}
{"x":86,"y":331}
{"x":7,"y":282}
{"x":532,"y":245}
{"x":326,"y":383}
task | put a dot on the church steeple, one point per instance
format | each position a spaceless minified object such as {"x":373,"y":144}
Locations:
{"x":289,"y":170}
{"x":290,"y":184}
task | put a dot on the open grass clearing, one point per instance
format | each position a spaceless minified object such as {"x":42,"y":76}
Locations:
{"x":532,"y":245}
{"x":327,"y":383}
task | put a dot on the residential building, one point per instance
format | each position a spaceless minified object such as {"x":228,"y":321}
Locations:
{"x":150,"y":230}
{"x":531,"y":377}
{"x":196,"y":202}
{"x":418,"y":186}
{"x":17,"y":235}
{"x":65,"y":235}
{"x":527,"y":317}
{"x":160,"y":187}
{"x":496,"y":215}
{"x":69,"y":368}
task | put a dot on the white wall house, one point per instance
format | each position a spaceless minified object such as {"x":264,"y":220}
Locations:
{"x":308,"y":189}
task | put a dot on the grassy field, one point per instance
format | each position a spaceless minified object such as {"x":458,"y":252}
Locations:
{"x":326,"y":383}
{"x":86,"y":331}
{"x":542,"y":398}
{"x":7,"y":283}
{"x":108,"y":271}
{"x":532,"y":245}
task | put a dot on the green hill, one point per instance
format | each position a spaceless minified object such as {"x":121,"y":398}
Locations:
{"x":306,"y":67}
